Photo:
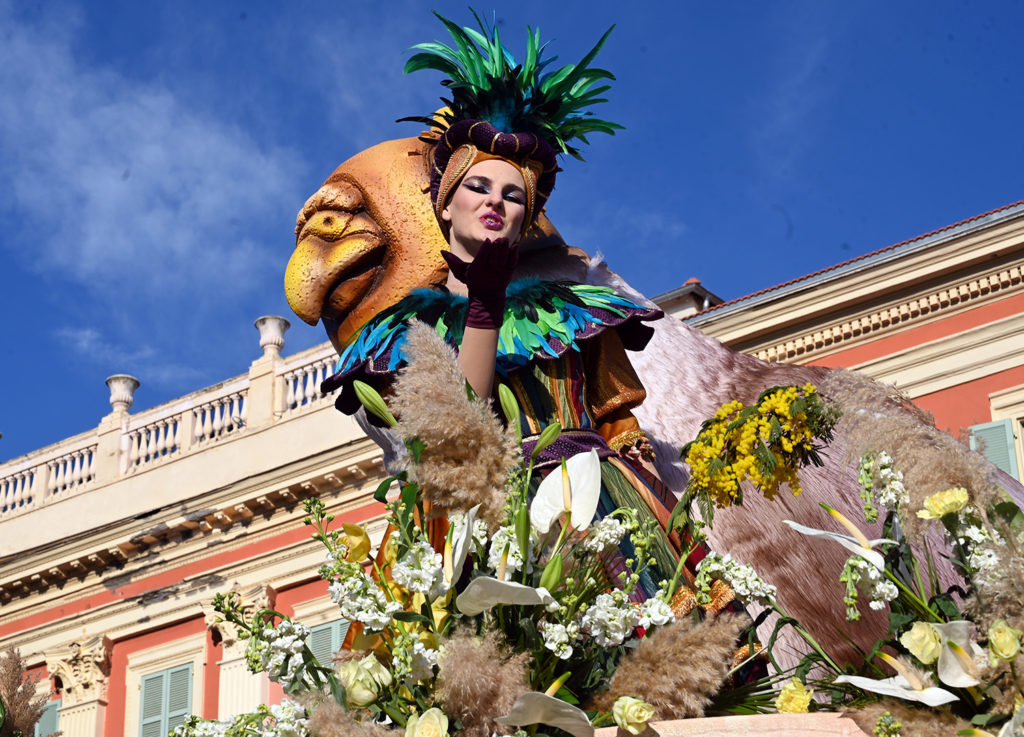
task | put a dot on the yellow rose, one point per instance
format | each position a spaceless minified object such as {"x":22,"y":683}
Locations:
{"x":363,"y":680}
{"x":945,"y":502}
{"x":632,"y":714}
{"x":923,"y":642}
{"x":431,"y":723}
{"x":793,"y":698}
{"x":1003,"y":641}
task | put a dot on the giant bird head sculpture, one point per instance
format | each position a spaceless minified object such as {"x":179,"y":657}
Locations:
{"x":368,"y":236}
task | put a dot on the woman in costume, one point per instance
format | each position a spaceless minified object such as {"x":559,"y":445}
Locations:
{"x":559,"y":346}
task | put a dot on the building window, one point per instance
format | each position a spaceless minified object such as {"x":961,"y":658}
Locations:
{"x":326,"y":639}
{"x":49,"y":722}
{"x":166,"y":700}
{"x":998,"y":442}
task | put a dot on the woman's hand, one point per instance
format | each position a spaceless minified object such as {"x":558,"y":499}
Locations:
{"x":486,"y":278}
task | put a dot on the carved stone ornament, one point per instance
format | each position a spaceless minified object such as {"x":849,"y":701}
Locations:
{"x":83,"y":669}
{"x":251,"y":601}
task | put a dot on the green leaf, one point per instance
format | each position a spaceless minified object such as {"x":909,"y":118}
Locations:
{"x":411,"y":617}
{"x":409,"y":494}
{"x":416,"y":448}
{"x":898,"y":621}
{"x":381,"y":495}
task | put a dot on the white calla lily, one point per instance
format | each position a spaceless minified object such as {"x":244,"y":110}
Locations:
{"x":460,"y":546}
{"x":576,"y":490}
{"x":539,"y":708}
{"x":849,"y":542}
{"x":899,"y":687}
{"x":483,"y":593}
{"x":956,"y":665}
{"x":908,"y":683}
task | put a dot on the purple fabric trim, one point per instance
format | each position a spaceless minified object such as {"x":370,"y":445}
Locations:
{"x":569,"y":443}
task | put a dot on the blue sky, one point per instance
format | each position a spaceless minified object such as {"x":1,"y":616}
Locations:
{"x":153,"y":157}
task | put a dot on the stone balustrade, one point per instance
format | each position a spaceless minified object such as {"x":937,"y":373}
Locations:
{"x":124,"y":444}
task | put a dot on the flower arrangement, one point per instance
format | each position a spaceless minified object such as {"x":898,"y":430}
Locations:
{"x":522,"y":617}
{"x":948,"y":567}
{"x":516,"y":610}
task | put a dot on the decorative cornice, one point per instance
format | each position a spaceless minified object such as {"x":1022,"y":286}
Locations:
{"x":262,"y":502}
{"x":83,"y":669}
{"x":903,"y":314}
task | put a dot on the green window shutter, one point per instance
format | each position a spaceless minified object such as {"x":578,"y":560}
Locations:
{"x":179,"y":695}
{"x":49,"y":722}
{"x":151,"y":723}
{"x":166,"y":700}
{"x":325,"y":639}
{"x":998,"y":446}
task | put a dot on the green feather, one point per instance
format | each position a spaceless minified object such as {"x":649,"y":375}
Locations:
{"x":487,"y":84}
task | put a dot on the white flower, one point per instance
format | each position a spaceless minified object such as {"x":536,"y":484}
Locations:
{"x":361,"y":600}
{"x":201,"y":728}
{"x":458,"y":521}
{"x":484,"y":592}
{"x":506,"y":537}
{"x":420,"y":570}
{"x":742,"y":578}
{"x":277,"y":651}
{"x":610,"y":619}
{"x":558,"y":638}
{"x":899,"y":687}
{"x":553,"y":605}
{"x":855,"y":542}
{"x":423,"y":661}
{"x":880,"y":589}
{"x":879,"y":479}
{"x":289,"y":720}
{"x":984,"y":561}
{"x":539,"y":708}
{"x":605,"y":535}
{"x":655,"y":612}
{"x":575,"y":490}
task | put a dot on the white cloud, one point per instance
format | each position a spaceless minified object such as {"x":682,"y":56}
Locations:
{"x":92,"y":344}
{"x":784,"y":127}
{"x":116,"y":182}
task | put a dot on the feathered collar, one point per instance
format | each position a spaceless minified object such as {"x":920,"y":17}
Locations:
{"x":543,"y":319}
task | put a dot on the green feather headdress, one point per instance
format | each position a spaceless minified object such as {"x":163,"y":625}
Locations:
{"x":487,"y":84}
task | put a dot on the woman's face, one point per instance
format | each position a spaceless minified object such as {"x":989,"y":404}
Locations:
{"x":489,"y":203}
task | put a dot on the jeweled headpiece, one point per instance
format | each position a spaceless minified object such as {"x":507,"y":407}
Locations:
{"x":517,"y":112}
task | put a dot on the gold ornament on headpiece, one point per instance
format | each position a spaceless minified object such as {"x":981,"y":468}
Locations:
{"x":462,"y":160}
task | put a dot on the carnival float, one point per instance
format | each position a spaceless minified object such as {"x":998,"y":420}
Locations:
{"x":603,"y":519}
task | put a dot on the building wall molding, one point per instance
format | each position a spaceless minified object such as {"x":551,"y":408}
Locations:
{"x":900,"y":315}
{"x":952,"y":360}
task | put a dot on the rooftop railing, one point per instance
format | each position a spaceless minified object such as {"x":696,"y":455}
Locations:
{"x":123,"y":444}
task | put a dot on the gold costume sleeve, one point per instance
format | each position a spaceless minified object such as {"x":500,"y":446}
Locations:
{"x":613,"y":389}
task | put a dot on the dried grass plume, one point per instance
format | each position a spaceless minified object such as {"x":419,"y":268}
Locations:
{"x":327,"y":718}
{"x":916,"y":721}
{"x":479,"y":680}
{"x":679,"y":668}
{"x":18,"y":694}
{"x":469,"y":452}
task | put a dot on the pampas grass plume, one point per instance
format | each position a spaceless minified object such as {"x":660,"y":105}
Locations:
{"x":479,"y":680}
{"x":18,"y":694}
{"x":679,"y":668}
{"x":468,"y":452}
{"x":916,"y":721}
